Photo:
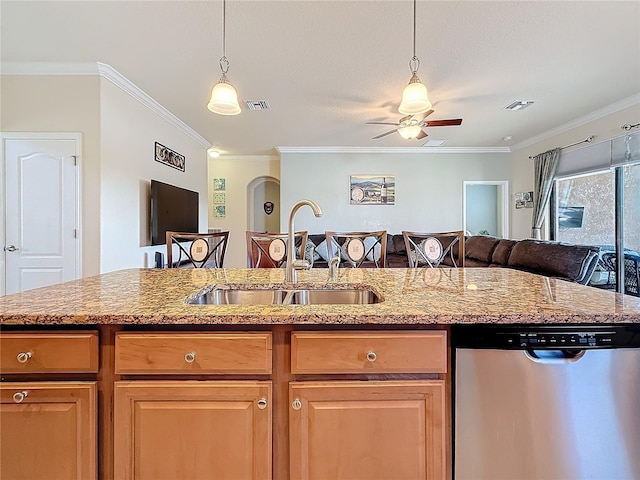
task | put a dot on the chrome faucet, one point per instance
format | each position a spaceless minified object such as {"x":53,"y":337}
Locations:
{"x":292,"y":264}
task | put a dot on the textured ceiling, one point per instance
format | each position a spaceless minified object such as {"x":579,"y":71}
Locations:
{"x":327,"y":67}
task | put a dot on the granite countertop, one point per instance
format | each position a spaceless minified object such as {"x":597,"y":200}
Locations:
{"x":420,"y":296}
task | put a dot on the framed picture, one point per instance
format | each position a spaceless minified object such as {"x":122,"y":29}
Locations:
{"x":219,"y":184}
{"x":219,"y":211}
{"x":372,"y":190}
{"x":219,"y":197}
{"x":169,"y":157}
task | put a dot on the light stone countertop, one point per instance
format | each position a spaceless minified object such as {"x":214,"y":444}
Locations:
{"x":422,"y":296}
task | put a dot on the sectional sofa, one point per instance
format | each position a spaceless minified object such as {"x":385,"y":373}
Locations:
{"x":571,"y":262}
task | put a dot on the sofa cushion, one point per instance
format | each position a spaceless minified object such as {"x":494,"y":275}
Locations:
{"x":553,"y":259}
{"x":500,"y":255}
{"x":479,"y":249}
{"x":398,"y":244}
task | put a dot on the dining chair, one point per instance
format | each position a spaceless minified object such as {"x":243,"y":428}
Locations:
{"x":269,"y":250}
{"x":199,"y":249}
{"x":358,"y":249}
{"x":432,"y":249}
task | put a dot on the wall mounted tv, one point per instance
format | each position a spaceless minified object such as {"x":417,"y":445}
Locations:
{"x":173,"y":209}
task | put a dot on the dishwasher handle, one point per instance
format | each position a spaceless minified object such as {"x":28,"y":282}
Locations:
{"x":549,"y":357}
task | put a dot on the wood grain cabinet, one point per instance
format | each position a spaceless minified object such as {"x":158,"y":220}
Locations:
{"x":374,"y":429}
{"x":181,"y":428}
{"x":48,"y":426}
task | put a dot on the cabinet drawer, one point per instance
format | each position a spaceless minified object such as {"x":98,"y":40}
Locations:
{"x":193,"y":353}
{"x":369,"y":352}
{"x":49,"y":352}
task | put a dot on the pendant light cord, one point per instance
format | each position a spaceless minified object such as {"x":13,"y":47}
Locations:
{"x":414,"y":63}
{"x":224,"y":63}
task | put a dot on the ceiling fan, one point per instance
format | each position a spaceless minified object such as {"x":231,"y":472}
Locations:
{"x":409,"y":127}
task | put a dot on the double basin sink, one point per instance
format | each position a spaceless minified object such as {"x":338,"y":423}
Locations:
{"x":283,"y":295}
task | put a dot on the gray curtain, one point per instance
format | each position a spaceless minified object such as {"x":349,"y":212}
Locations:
{"x":545,"y":165}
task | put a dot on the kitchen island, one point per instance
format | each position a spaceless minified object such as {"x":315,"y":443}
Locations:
{"x":160,"y":387}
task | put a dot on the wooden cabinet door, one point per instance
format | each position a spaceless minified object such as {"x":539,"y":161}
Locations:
{"x":367,"y":430}
{"x":48,"y":430}
{"x":192,"y":430}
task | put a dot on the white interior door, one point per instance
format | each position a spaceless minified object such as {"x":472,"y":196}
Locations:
{"x":42,"y":244}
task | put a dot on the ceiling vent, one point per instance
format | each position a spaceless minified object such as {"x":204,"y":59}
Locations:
{"x":519,"y":105}
{"x":257,"y":105}
{"x":433,"y":143}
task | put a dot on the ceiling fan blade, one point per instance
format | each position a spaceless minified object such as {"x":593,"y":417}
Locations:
{"x":444,"y":123}
{"x":382,"y":123}
{"x":405,"y":119}
{"x":427,"y":113}
{"x":384,"y":134}
{"x":422,"y":134}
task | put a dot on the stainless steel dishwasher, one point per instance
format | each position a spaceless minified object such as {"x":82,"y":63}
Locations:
{"x":547,"y":402}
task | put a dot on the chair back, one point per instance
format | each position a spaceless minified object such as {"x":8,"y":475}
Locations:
{"x":199,"y":249}
{"x":434,"y":249}
{"x":358,"y":249}
{"x":631,"y":271}
{"x":269,"y":250}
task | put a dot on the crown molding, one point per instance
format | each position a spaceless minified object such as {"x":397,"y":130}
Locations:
{"x":408,"y":150}
{"x":578,"y":122}
{"x":109,"y":73}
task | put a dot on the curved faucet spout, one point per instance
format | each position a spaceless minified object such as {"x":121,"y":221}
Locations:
{"x":290,"y":273}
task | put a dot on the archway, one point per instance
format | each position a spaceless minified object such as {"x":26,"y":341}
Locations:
{"x":263,"y":204}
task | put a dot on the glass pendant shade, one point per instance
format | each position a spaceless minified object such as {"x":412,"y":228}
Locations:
{"x":414,"y":98}
{"x":224,"y":99}
{"x":409,"y":132}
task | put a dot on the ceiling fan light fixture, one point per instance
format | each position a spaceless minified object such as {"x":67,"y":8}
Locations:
{"x":414,"y":97}
{"x":409,"y":132}
{"x":224,"y":98}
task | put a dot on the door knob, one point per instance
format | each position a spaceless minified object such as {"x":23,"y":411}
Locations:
{"x":10,"y":248}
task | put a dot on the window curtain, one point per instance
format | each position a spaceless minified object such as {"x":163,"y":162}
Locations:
{"x":545,"y":165}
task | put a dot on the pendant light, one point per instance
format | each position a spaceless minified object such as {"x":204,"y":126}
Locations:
{"x":224,"y":98}
{"x":414,"y":95}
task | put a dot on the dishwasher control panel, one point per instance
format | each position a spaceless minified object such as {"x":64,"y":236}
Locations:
{"x":559,"y":340}
{"x":513,"y":337}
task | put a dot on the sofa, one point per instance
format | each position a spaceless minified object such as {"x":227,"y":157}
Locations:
{"x":575,"y":263}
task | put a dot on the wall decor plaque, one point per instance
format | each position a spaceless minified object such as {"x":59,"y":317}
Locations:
{"x":169,"y":157}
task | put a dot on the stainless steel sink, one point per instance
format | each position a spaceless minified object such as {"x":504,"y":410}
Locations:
{"x":243,"y":295}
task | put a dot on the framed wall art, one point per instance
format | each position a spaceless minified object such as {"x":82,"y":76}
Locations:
{"x":169,"y":157}
{"x":372,"y":190}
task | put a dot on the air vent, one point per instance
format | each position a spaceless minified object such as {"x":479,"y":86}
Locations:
{"x":257,"y":105}
{"x":433,"y":143}
{"x":519,"y":105}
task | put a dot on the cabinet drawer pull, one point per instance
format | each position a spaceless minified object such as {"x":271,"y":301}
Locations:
{"x":23,"y":357}
{"x":190,"y":357}
{"x":262,"y":403}
{"x":296,"y":404}
{"x":371,"y":356}
{"x":18,"y":397}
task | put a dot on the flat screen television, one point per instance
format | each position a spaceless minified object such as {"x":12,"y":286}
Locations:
{"x":570,"y":217}
{"x":173,"y":209}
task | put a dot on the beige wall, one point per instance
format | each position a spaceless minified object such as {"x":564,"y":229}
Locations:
{"x":62,"y":104}
{"x":238,"y":172}
{"x":429,"y":188}
{"x":129,"y":132}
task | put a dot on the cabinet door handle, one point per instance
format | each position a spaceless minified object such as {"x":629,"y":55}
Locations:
{"x":18,"y":397}
{"x":190,"y":357}
{"x":371,"y":356}
{"x":262,"y":403}
{"x":296,"y":404}
{"x":23,"y":357}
